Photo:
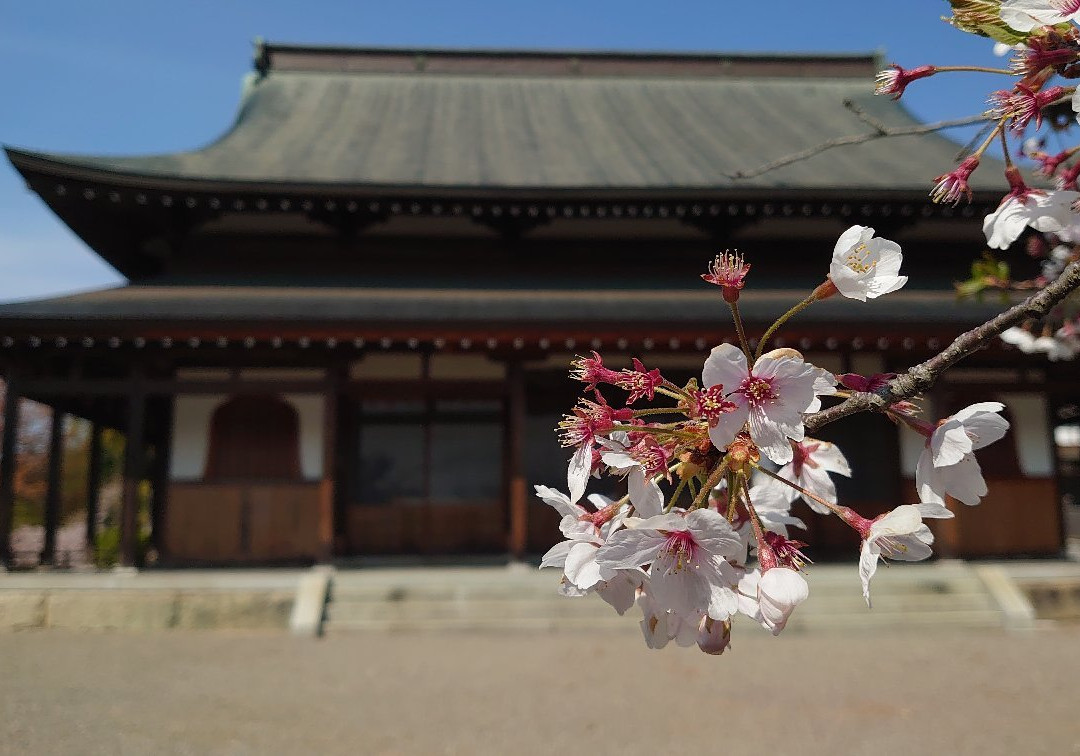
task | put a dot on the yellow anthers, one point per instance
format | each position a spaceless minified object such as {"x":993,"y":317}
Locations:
{"x":856,"y":259}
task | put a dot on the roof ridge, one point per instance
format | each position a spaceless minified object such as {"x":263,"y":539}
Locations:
{"x":566,"y":62}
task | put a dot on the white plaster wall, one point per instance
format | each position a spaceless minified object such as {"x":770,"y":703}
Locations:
{"x":1032,"y":432}
{"x":310,"y":409}
{"x":191,"y":433}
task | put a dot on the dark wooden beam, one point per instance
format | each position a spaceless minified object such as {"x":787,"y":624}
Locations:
{"x":8,"y":460}
{"x":52,"y":490}
{"x":518,"y":537}
{"x":159,"y":478}
{"x":133,"y":463}
{"x":93,"y":486}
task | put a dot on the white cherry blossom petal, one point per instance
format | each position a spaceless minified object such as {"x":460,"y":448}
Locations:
{"x":726,"y":365}
{"x":577,"y":474}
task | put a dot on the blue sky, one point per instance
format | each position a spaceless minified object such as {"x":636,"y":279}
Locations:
{"x":127,"y":77}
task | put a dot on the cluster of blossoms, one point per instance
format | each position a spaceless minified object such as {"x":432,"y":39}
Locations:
{"x":702,"y":534}
{"x":1043,"y":40}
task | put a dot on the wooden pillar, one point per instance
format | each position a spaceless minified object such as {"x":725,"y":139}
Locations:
{"x":133,"y":462}
{"x":8,"y":459}
{"x":93,"y":485}
{"x":515,"y":459}
{"x":328,"y":485}
{"x":52,"y":490}
{"x":159,"y":476}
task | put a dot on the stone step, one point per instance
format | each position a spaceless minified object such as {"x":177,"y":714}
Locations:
{"x":944,"y":594}
{"x":382,"y":590}
{"x":969,"y":610}
{"x":851,"y":602}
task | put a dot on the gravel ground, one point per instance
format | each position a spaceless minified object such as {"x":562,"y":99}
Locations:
{"x":939,"y":692}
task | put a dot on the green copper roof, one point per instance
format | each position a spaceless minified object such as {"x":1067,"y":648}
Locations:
{"x":631,"y":129}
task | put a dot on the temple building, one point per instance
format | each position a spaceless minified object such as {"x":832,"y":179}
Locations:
{"x":348,"y":321}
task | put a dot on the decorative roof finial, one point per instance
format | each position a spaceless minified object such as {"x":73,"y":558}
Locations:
{"x":261,"y":58}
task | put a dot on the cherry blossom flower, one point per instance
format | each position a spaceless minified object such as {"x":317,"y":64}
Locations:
{"x":1023,"y":207}
{"x":1025,"y":15}
{"x":899,"y":534}
{"x":1024,"y":104}
{"x":728,"y":271}
{"x":645,"y":494}
{"x":1051,"y":50}
{"x":864,"y":267}
{"x":770,"y":598}
{"x":788,"y":552}
{"x":824,"y":385}
{"x":894,"y":79}
{"x":588,"y":423}
{"x":772,"y":397}
{"x":809,"y":468}
{"x":950,"y":188}
{"x":639,"y":382}
{"x":688,"y":570}
{"x":773,"y":510}
{"x":714,"y":637}
{"x":947,"y":465}
{"x":709,"y":404}
{"x":660,"y":626}
{"x":1019,"y":338}
{"x":576,"y":556}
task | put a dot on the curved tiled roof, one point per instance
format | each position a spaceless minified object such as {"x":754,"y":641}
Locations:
{"x":530,"y":130}
{"x":358,"y":305}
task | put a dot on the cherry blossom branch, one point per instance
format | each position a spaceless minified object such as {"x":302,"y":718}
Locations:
{"x":922,"y":376}
{"x":737,"y":317}
{"x":813,"y":297}
{"x":880,"y":132}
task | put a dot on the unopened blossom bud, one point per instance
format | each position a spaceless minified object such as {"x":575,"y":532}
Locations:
{"x":780,"y":590}
{"x":728,"y":271}
{"x":894,"y":79}
{"x":950,"y":188}
{"x":714,"y":637}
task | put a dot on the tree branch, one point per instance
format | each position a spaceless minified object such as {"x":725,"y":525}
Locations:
{"x":922,"y":376}
{"x":881,"y":131}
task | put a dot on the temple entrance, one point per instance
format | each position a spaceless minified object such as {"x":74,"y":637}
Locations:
{"x":426,"y":476}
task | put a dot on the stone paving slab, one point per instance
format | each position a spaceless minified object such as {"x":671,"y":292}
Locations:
{"x":984,"y":693}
